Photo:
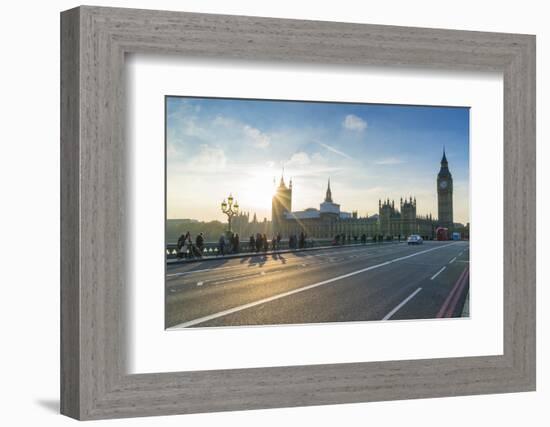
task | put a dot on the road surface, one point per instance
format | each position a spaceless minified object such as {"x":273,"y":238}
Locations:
{"x":353,"y":283}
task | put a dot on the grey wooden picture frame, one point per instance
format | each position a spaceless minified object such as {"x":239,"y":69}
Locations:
{"x":94,"y":380}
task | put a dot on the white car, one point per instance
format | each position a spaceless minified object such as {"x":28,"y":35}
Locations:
{"x":414,"y":239}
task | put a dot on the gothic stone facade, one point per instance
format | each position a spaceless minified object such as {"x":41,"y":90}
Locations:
{"x":445,"y":195}
{"x":329,"y":220}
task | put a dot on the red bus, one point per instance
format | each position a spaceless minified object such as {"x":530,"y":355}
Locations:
{"x":442,"y":233}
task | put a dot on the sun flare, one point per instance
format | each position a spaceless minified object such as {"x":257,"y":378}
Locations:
{"x":256,"y":193}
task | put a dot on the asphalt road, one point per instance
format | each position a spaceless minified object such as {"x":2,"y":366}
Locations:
{"x":358,"y":283}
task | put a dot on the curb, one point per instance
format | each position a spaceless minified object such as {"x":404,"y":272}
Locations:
{"x":456,"y":295}
{"x":466,"y":306}
{"x":284,"y":251}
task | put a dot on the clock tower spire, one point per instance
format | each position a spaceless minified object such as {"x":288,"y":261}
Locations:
{"x":445,"y":194}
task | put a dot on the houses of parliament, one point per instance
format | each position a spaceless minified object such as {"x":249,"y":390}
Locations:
{"x":328,"y":220}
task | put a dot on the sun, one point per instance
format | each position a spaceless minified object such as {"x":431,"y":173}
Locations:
{"x":256,"y":192}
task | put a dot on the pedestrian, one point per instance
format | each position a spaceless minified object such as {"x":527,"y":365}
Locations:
{"x":188,"y":245}
{"x":278,"y":240}
{"x":181,"y":246}
{"x":273,"y":243}
{"x":237,"y":244}
{"x":265,"y":243}
{"x":221,"y":245}
{"x":199,"y":243}
{"x":258,"y":242}
{"x":230,"y":242}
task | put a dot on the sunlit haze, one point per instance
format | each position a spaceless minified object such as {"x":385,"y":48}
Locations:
{"x":220,"y":146}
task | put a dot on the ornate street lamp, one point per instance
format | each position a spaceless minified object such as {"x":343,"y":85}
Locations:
{"x":230,"y":208}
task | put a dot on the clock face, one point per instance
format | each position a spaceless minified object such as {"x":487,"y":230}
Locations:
{"x":443,"y":185}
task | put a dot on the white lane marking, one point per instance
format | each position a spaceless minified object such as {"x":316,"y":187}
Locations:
{"x":295,"y":291}
{"x":453,"y":260}
{"x":438,"y":273}
{"x":405,"y":301}
{"x":200,"y":283}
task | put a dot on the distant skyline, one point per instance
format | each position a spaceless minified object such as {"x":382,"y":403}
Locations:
{"x":369,"y":152}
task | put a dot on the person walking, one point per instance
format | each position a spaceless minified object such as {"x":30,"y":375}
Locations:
{"x":180,"y":246}
{"x":199,"y":243}
{"x":258,"y":242}
{"x":188,"y":245}
{"x":251,"y":243}
{"x":221,"y":245}
{"x":236,"y":244}
{"x":265,"y":243}
{"x":231,"y":247}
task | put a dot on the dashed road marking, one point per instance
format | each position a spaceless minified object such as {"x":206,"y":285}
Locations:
{"x":453,"y":260}
{"x":398,"y":307}
{"x":302,"y":289}
{"x":200,"y":283}
{"x":438,"y":273}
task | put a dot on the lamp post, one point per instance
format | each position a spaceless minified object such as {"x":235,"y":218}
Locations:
{"x":230,"y":208}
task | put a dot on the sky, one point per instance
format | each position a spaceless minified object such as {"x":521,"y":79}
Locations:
{"x":216,"y":147}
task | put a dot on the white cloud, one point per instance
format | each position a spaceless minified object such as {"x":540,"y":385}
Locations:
{"x":299,"y":158}
{"x":208,"y":157}
{"x":318,"y":158}
{"x":389,"y":161}
{"x":223,"y":121}
{"x":258,"y":138}
{"x":352,"y":122}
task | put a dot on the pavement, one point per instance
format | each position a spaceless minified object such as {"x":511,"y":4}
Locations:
{"x":356,"y":283}
{"x":269,"y":252}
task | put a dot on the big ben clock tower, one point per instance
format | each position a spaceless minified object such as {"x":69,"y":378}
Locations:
{"x":445,"y":194}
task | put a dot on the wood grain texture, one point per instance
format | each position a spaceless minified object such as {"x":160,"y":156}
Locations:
{"x":70,"y":292}
{"x":94,"y":382}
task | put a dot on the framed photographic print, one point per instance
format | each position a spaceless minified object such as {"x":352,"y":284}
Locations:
{"x":262,"y":213}
{"x":288,"y":262}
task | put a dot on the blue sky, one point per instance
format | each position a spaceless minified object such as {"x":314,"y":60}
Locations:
{"x":369,"y":151}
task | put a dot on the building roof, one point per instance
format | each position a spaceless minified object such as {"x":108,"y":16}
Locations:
{"x":328,"y":197}
{"x":444,"y":172}
{"x":307,"y":214}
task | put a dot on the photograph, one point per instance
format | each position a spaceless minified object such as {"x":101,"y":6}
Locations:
{"x":292,"y":212}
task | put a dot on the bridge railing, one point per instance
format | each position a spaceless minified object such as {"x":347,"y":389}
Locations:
{"x":211,"y":249}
